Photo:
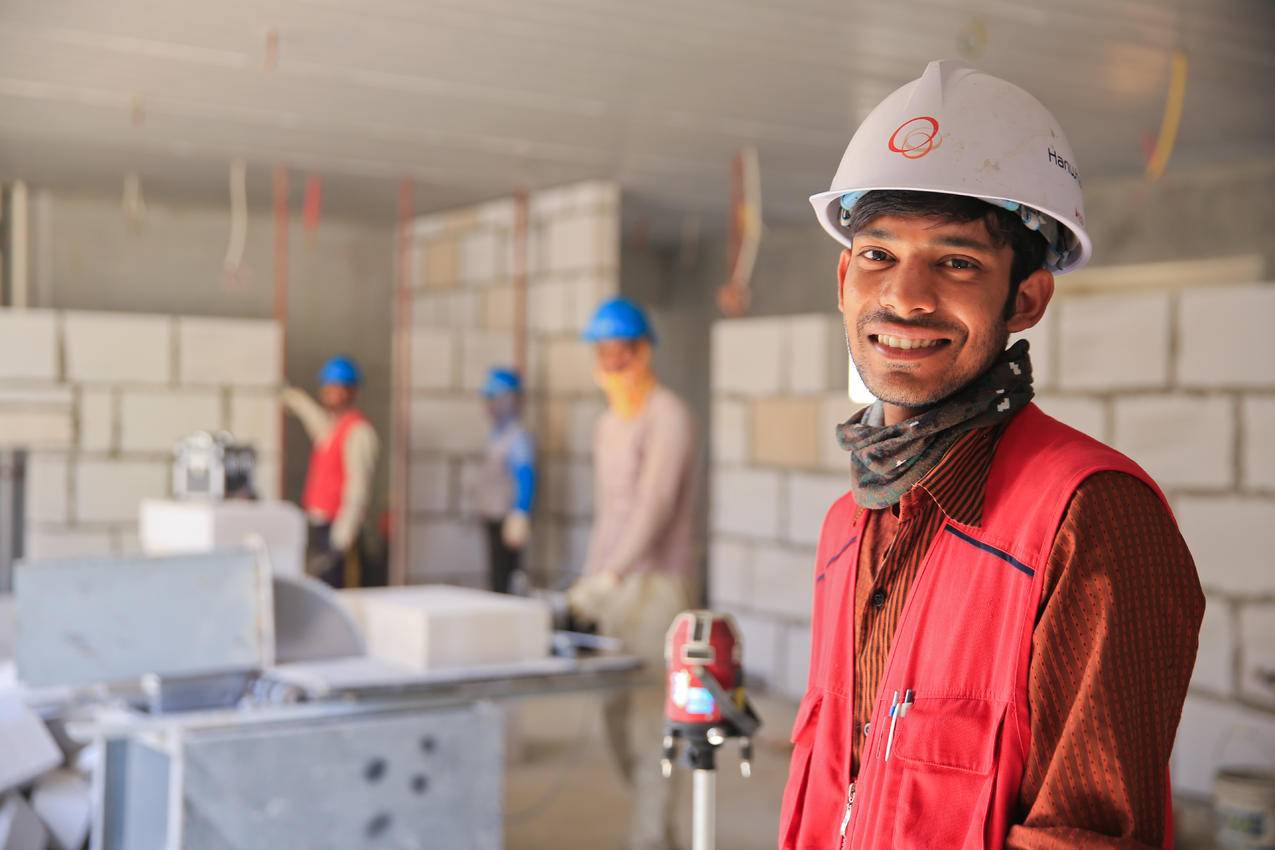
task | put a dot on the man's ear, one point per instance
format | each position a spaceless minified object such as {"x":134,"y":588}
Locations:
{"x":843,"y":263}
{"x":1031,"y":300}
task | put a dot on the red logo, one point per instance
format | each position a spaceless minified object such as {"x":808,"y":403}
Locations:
{"x":916,"y":137}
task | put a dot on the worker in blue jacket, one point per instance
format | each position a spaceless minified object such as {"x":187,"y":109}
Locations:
{"x":506,"y":484}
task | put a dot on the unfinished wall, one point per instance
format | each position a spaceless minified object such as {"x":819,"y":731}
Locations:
{"x":100,"y":398}
{"x":86,"y":255}
{"x":461,"y":325}
{"x":1183,"y":382}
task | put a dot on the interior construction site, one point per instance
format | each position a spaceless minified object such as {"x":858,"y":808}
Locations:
{"x":599,"y":426}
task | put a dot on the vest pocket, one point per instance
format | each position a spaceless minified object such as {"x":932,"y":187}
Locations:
{"x":803,"y":740}
{"x":946,"y":750}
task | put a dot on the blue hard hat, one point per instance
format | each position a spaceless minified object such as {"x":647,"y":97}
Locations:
{"x":340,"y":370}
{"x":500,"y":381}
{"x":618,"y":318}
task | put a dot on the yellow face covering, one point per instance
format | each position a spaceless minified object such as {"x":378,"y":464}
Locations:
{"x":627,"y":389}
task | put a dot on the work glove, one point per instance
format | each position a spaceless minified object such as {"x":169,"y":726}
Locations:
{"x":342,"y":536}
{"x":588,"y":598}
{"x":516,"y":529}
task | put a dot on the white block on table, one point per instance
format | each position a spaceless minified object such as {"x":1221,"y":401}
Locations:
{"x":434,"y":627}
{"x":169,"y":527}
{"x":20,"y":828}
{"x":27,"y":746}
{"x":63,"y":802}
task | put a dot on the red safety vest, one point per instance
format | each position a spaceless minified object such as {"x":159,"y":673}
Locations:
{"x":325,"y":479}
{"x":963,"y":647}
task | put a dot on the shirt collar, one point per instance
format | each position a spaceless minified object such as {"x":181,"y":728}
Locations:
{"x":958,"y":482}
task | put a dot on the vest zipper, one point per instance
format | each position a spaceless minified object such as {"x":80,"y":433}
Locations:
{"x":845,"y":821}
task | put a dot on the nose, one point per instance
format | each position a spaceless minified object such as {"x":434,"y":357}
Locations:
{"x":908,"y":289}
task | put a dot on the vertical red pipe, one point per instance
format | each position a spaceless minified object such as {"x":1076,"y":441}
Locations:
{"x":281,"y":297}
{"x":400,"y":471}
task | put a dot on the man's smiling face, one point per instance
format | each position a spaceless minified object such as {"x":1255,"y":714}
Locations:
{"x":925,"y":309}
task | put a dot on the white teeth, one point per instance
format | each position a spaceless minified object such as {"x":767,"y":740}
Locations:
{"x":902,"y":343}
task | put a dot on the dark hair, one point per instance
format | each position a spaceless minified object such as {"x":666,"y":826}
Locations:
{"x":1003,"y":227}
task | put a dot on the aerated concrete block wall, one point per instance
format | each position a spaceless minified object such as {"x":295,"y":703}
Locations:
{"x":1183,"y":382}
{"x":462,"y":324}
{"x":99,"y":399}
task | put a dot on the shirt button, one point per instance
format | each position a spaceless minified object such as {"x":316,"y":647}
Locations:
{"x":878,"y":598}
{"x":867,"y":727}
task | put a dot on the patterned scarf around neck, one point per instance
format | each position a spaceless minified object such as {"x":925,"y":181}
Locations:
{"x":887,"y":461}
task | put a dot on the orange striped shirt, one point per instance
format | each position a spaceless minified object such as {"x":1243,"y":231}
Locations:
{"x":1120,"y":587}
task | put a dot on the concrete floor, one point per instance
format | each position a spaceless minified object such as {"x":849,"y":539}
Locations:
{"x":563,"y":791}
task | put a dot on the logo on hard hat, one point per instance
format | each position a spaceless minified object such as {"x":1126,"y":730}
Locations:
{"x":916,"y":137}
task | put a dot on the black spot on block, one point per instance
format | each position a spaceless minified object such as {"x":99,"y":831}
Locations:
{"x":427,"y":744}
{"x":377,"y":826}
{"x":375,"y":770}
{"x":420,"y":782}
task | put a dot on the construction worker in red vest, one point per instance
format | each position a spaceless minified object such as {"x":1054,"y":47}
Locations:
{"x":338,"y":484}
{"x":1005,"y":617}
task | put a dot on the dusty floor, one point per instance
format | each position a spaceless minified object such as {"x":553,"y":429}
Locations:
{"x":563,"y":792}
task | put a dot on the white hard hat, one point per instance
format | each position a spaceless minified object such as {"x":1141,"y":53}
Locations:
{"x":960,"y":131}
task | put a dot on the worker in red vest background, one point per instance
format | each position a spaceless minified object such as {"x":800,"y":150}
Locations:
{"x":1005,"y":616}
{"x":338,"y":484}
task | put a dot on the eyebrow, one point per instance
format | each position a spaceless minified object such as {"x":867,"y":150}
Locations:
{"x":944,"y":241}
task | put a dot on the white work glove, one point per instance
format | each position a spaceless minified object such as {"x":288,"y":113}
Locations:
{"x":589,"y":596}
{"x":342,"y":536}
{"x":515,"y":530}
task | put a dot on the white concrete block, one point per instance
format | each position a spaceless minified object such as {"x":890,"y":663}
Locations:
{"x":434,"y":359}
{"x":497,"y":214}
{"x":465,"y":310}
{"x":1216,"y":734}
{"x":435,"y":628}
{"x":48,"y":488}
{"x":1231,"y":540}
{"x":1224,"y":337}
{"x":440,"y":547}
{"x":817,"y":354}
{"x":28,"y":345}
{"x":154,"y":420}
{"x":171,"y":527}
{"x":97,"y":419}
{"x":762,"y":638}
{"x":597,"y":193}
{"x":1182,"y":441}
{"x":20,"y":827}
{"x":568,"y":367}
{"x":748,"y":356}
{"x":730,"y":573}
{"x":796,"y":666}
{"x":1257,"y":653}
{"x":730,"y":432}
{"x":809,"y":497}
{"x":1087,"y":415}
{"x":783,"y":581}
{"x":112,"y":490}
{"x":37,"y":428}
{"x":1114,"y":342}
{"x":256,"y":417}
{"x":481,"y":257}
{"x":431,"y":310}
{"x":431,"y":486}
{"x":36,"y":396}
{"x":46,"y":542}
{"x":835,"y":409}
{"x":242,"y":352}
{"x":118,"y":348}
{"x":1259,"y":443}
{"x":28,"y":747}
{"x":1040,"y":340}
{"x":586,"y":292}
{"x":63,"y":801}
{"x":452,"y":424}
{"x":746,"y":502}
{"x":266,"y":477}
{"x":481,"y":351}
{"x":1215,"y":664}
{"x":548,"y":306}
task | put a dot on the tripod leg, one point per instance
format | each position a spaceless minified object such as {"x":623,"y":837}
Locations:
{"x":704,"y":817}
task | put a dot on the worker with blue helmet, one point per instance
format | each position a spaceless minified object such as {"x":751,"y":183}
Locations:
{"x":338,"y":483}
{"x":641,"y":558}
{"x":506,"y":482}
